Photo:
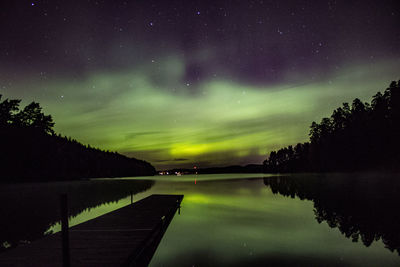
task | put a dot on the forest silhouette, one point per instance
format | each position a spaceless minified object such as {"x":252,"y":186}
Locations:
{"x":360,"y":136}
{"x":362,"y":207}
{"x":32,"y":151}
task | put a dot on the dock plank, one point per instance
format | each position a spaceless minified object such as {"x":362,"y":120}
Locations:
{"x":128,"y":236}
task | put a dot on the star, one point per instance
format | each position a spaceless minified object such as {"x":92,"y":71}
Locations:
{"x":242,"y":50}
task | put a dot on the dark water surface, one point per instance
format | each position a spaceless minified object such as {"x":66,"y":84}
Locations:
{"x":235,"y":219}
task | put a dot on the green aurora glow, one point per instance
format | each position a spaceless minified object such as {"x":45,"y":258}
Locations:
{"x":221,"y":122}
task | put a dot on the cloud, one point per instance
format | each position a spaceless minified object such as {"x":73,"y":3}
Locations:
{"x":224,"y":123}
{"x":180,"y":159}
{"x":137,"y":134}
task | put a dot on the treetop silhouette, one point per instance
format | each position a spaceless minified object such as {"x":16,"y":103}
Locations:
{"x":29,"y":117}
{"x":360,"y":136}
{"x":31,"y":151}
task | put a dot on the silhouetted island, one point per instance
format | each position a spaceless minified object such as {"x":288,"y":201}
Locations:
{"x":31,"y":151}
{"x":363,"y":136}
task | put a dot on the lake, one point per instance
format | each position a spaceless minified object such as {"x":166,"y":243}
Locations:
{"x":233,"y":219}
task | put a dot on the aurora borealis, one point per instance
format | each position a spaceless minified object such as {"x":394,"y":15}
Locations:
{"x":207,"y":83}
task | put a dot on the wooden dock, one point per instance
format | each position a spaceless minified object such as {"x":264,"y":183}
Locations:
{"x":128,"y":236}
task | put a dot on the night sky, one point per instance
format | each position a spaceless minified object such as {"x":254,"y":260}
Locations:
{"x":205,"y":83}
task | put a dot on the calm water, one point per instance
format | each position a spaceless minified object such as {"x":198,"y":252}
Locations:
{"x":235,"y":220}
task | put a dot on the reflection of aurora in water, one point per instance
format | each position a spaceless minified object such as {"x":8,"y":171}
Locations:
{"x":362,"y":208}
{"x":31,"y":210}
{"x":228,"y":221}
{"x":225,"y":220}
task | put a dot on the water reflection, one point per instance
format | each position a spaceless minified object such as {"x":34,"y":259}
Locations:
{"x":235,"y":220}
{"x":241,"y":222}
{"x":29,"y":210}
{"x":362,"y":207}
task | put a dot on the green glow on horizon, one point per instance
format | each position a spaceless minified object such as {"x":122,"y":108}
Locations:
{"x":221,"y":122}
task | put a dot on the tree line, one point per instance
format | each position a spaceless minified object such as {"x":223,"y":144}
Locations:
{"x":360,"y":136}
{"x":31,"y":150}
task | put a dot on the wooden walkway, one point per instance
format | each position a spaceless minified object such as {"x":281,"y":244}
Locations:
{"x":125,"y":237}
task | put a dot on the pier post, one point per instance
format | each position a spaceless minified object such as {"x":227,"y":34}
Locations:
{"x":64,"y":230}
